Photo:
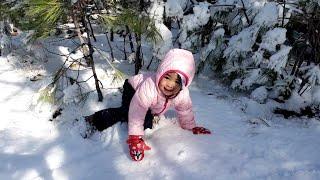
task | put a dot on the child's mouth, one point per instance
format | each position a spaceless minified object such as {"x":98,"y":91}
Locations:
{"x":167,"y":90}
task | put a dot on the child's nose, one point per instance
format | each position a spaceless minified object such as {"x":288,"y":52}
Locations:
{"x":170,"y":85}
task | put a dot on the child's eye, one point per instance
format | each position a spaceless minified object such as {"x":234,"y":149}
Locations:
{"x":166,"y":77}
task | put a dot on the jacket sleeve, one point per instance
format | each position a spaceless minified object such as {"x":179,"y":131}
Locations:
{"x":139,"y":105}
{"x":183,"y":107}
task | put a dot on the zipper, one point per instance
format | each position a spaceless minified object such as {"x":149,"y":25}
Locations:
{"x":164,"y":107}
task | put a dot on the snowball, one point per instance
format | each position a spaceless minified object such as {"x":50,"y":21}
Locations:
{"x":260,"y":94}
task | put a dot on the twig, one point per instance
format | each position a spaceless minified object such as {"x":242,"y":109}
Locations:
{"x":245,"y":13}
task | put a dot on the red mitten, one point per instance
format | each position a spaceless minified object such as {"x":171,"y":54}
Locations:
{"x":200,"y":130}
{"x":137,"y":147}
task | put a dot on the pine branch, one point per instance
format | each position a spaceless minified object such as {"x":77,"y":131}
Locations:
{"x":245,"y":13}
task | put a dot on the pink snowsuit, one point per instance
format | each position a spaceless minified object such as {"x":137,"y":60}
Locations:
{"x":149,"y":96}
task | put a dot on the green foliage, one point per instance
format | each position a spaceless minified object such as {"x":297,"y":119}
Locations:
{"x":9,"y":12}
{"x":4,"y":11}
{"x":47,"y":94}
{"x":43,"y":16}
{"x":137,"y":23}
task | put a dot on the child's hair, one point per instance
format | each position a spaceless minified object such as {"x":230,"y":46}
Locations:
{"x":180,"y":81}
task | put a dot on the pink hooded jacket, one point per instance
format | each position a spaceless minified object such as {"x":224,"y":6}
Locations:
{"x":149,"y":96}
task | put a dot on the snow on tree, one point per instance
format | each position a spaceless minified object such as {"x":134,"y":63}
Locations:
{"x":267,"y":16}
{"x":160,"y":48}
{"x":156,"y":11}
{"x":278,"y":60}
{"x":296,"y":102}
{"x":272,"y":38}
{"x":316,"y":95}
{"x":214,"y":46}
{"x":240,"y":44}
{"x":257,"y":57}
{"x":282,"y":88}
{"x":75,"y":93}
{"x":192,"y":22}
{"x":312,"y":74}
{"x":260,"y":94}
{"x":173,"y":9}
{"x":251,"y":78}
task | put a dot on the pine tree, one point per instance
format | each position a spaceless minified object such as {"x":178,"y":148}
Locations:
{"x":139,"y":24}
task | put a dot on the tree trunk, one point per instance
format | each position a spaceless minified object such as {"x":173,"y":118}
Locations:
{"x":111,"y":50}
{"x":124,"y":46}
{"x":84,"y":47}
{"x":89,"y":57}
{"x":111,"y":35}
{"x":138,"y":59}
{"x":91,"y":30}
{"x":283,"y":13}
{"x":245,"y":13}
{"x":130,"y":38}
{"x":167,"y":20}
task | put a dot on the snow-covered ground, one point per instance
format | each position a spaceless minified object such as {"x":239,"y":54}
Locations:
{"x":241,"y":146}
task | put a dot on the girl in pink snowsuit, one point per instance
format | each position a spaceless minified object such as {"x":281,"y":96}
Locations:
{"x":148,"y":95}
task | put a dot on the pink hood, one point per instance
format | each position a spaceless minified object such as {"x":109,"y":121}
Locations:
{"x":180,"y":61}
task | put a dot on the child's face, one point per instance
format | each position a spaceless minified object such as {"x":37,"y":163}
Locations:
{"x":169,"y":84}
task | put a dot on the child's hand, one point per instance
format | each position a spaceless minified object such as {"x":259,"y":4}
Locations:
{"x":200,"y":130}
{"x":137,"y":147}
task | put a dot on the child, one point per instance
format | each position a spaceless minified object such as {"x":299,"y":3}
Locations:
{"x":148,"y":95}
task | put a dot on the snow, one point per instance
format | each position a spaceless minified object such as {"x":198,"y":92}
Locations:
{"x":260,"y":94}
{"x":313,"y":74}
{"x":316,"y":95}
{"x":248,"y":140}
{"x":251,"y":78}
{"x":156,"y":11}
{"x":31,"y":147}
{"x":191,"y":22}
{"x":72,"y":93}
{"x":173,"y":9}
{"x":257,"y":57}
{"x":242,"y":42}
{"x":295,"y":102}
{"x":163,"y":46}
{"x":278,"y":60}
{"x":215,"y":41}
{"x":268,"y":15}
{"x":272,"y":38}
